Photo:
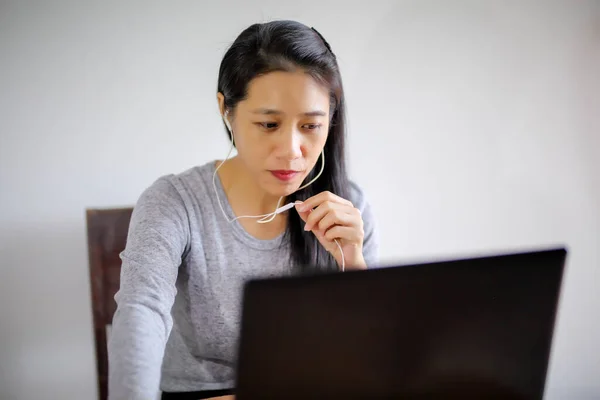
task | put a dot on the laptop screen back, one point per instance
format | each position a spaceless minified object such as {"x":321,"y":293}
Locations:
{"x":478,"y":327}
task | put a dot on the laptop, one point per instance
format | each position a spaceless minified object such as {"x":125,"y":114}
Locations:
{"x":472,"y":328}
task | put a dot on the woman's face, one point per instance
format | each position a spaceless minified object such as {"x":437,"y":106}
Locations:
{"x":281,"y":129}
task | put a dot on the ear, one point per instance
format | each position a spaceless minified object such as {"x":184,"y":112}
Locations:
{"x":223,"y":110}
{"x":221,"y":102}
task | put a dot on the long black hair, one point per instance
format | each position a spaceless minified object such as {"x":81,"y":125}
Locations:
{"x":291,"y":46}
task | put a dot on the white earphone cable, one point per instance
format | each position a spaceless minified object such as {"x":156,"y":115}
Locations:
{"x":265,"y":218}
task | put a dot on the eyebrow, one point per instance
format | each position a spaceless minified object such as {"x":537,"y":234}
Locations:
{"x":270,"y":111}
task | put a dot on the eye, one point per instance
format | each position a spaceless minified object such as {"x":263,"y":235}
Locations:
{"x":268,"y":125}
{"x":311,"y":127}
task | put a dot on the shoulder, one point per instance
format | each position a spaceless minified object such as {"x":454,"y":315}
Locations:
{"x":175,"y":188}
{"x":162,"y":189}
{"x":166,"y":206}
{"x":171,"y":198}
{"x":358,"y":197}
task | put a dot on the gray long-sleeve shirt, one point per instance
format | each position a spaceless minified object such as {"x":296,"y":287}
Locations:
{"x":182,"y":274}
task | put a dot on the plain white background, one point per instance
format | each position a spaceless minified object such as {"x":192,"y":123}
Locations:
{"x":474,"y":128}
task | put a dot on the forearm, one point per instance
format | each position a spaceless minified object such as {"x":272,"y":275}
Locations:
{"x":136,"y":350}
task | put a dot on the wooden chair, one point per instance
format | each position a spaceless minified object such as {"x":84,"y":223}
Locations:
{"x":106,"y":235}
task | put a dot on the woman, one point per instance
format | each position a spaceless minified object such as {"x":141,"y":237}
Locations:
{"x":187,"y":256}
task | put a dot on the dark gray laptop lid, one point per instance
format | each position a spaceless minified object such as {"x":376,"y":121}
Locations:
{"x":475,"y":327}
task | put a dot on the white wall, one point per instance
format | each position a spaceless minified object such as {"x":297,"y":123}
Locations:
{"x":474,"y":127}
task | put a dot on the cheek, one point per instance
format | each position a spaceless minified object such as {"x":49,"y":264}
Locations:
{"x":253,"y":152}
{"x":314,"y":144}
{"x":245,"y":141}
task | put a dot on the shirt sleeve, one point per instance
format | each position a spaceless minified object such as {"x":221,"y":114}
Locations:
{"x":157,"y":239}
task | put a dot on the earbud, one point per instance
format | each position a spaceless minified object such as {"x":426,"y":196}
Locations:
{"x":227,"y":124}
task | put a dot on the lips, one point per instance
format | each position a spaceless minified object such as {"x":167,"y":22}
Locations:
{"x":285,"y":175}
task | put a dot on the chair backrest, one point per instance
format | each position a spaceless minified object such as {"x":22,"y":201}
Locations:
{"x":106,"y":235}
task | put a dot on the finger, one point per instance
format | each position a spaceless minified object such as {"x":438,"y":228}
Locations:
{"x":337,"y":217}
{"x":316,"y":200}
{"x":329,"y":245}
{"x":318,"y":213}
{"x":304,"y":215}
{"x":332,"y":245}
{"x":346,"y":233}
{"x":333,"y":213}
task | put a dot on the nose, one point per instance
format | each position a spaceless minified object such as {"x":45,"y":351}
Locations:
{"x":290,"y":144}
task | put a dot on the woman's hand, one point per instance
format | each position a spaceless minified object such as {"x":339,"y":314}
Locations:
{"x":331,"y":217}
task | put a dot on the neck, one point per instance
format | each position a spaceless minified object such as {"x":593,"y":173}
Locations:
{"x":243,"y":193}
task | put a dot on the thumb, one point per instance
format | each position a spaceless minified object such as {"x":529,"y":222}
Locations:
{"x":303,"y":215}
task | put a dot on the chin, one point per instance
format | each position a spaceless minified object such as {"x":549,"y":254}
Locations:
{"x":280,"y":188}
{"x":283,"y":190}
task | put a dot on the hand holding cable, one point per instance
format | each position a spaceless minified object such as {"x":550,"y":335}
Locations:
{"x":338,"y":226}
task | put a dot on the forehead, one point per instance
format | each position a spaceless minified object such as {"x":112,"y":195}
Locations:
{"x":289,"y":92}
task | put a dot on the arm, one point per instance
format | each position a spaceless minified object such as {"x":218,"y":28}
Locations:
{"x":157,"y":238}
